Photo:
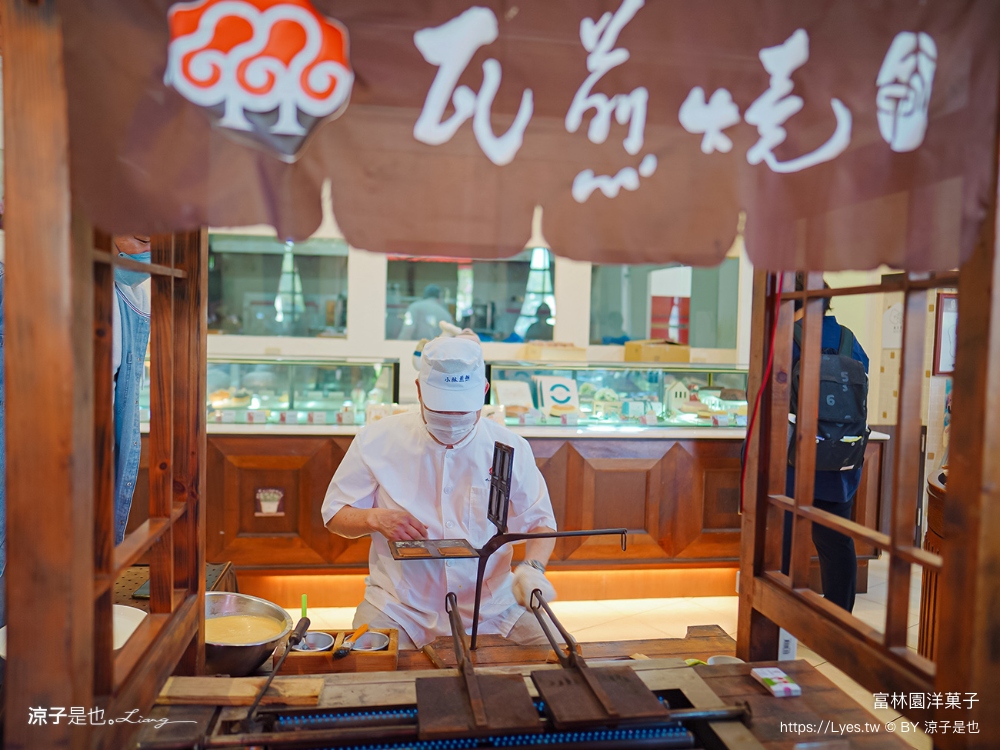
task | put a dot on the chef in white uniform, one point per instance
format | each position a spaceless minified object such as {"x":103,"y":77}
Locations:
{"x":425,"y":475}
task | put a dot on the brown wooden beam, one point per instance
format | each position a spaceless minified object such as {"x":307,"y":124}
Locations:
{"x":968,"y":607}
{"x":145,"y":678}
{"x":153,"y":269}
{"x":860,"y":533}
{"x":897,"y":283}
{"x":757,"y":637}
{"x":190,"y":331}
{"x":49,"y":306}
{"x":846,"y":642}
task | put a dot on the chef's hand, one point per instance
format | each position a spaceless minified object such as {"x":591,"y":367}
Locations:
{"x":396,"y":525}
{"x":526,"y":580}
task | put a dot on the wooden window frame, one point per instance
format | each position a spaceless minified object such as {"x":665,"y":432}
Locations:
{"x":966,"y":568}
{"x":61,"y":559}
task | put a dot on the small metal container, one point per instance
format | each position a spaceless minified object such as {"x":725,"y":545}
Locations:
{"x":243,"y":659}
{"x":371,"y":642}
{"x":315,"y":641}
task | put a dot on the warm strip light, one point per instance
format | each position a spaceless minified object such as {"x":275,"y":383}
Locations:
{"x":347,"y":590}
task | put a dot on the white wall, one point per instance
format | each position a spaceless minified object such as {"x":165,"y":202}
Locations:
{"x":670,"y":282}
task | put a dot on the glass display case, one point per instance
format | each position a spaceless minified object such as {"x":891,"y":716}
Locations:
{"x":287,"y":390}
{"x":619,"y":393}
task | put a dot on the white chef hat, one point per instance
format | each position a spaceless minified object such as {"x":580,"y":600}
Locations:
{"x":452,"y":374}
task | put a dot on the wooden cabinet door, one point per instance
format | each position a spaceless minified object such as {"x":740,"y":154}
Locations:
{"x":679,"y":499}
{"x":265,"y":496}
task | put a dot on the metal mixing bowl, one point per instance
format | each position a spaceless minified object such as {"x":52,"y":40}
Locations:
{"x":244,"y":659}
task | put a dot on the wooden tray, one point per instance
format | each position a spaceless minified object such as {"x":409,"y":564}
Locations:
{"x":322,"y":662}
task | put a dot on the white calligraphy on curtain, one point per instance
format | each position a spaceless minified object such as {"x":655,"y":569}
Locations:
{"x":904,"y":90}
{"x":776,"y":105}
{"x":451,"y":47}
{"x":599,"y":39}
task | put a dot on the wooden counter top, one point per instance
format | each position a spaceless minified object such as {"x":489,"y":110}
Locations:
{"x":837,"y":721}
{"x":701,"y":642}
{"x":824,"y":716}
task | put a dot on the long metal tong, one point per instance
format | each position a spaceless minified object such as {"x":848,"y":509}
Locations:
{"x":297,"y":635}
{"x":464,"y":657}
{"x":571,"y":660}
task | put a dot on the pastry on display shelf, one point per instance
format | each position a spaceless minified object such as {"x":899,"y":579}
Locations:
{"x":242,"y":397}
{"x":219,"y":398}
{"x":558,"y":410}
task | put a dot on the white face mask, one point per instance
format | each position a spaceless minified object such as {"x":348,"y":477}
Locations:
{"x":450,"y":428}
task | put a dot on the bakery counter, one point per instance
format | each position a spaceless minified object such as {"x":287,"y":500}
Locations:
{"x":675,"y":489}
{"x":617,"y":432}
{"x":531,"y":432}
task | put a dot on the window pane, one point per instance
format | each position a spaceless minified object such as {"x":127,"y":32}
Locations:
{"x":499,"y":299}
{"x":259,"y":286}
{"x":695,"y":306}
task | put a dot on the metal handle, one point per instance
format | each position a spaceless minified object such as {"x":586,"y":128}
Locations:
{"x":572,"y":660}
{"x":499,"y":540}
{"x":538,"y":604}
{"x":465,"y":661}
{"x":296,"y":636}
{"x":301,"y":627}
{"x":457,"y":629}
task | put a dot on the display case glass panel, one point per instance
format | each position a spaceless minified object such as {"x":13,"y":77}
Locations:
{"x":694,"y":306}
{"x":260,"y":286}
{"x":626,"y":393}
{"x":501,"y":300}
{"x":295,"y":391}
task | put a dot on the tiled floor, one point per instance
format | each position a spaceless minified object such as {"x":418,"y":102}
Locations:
{"x":634,"y":619}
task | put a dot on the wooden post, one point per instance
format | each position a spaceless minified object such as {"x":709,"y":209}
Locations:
{"x":757,"y":637}
{"x":968,"y":613}
{"x":190,"y":331}
{"x":49,"y":306}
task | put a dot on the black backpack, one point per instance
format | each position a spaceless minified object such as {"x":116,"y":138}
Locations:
{"x":842,"y":428}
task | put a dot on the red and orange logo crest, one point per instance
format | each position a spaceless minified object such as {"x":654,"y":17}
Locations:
{"x":273,"y":69}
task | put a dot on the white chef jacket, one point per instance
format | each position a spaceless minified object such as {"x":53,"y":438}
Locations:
{"x":394,"y":463}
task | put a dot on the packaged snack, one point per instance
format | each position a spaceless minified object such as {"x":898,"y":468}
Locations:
{"x":777,"y":682}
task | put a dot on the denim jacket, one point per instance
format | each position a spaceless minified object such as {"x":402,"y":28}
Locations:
{"x":134,"y":338}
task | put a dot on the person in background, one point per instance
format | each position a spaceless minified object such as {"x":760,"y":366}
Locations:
{"x":425,"y":475}
{"x":505,"y":330}
{"x":130,"y":336}
{"x":541,"y":329}
{"x":614,"y":333}
{"x":834,"y":491}
{"x":423,"y":316}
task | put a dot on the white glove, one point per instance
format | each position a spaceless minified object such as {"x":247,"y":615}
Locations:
{"x":526,"y":580}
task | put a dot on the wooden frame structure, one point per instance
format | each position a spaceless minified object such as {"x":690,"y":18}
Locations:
{"x":60,"y":481}
{"x":62,"y":562}
{"x":968,"y":615}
